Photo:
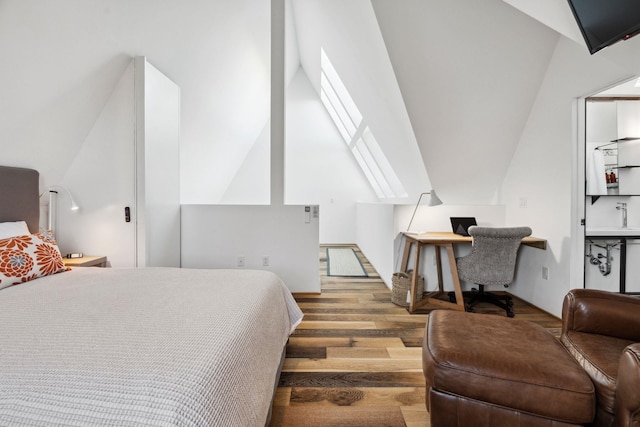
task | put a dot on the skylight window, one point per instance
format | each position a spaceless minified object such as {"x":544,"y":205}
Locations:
{"x":368,"y":173}
{"x":396,"y":189}
{"x":333,"y":81}
{"x":356,"y":134}
{"x":368,"y":163}
{"x":338,"y":116}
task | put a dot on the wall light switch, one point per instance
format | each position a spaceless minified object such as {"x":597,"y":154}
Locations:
{"x":307,"y":214}
{"x":545,"y":273}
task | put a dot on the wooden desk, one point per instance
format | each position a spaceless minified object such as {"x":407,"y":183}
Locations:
{"x":442,"y":240}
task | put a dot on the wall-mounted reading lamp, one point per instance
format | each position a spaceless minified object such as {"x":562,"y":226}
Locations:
{"x":434,"y":200}
{"x":53,"y":193}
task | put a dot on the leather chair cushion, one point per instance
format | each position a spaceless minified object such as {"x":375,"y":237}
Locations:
{"x":599,"y":356}
{"x":506,"y":362}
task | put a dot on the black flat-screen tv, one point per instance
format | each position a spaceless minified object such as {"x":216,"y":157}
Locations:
{"x":605,"y":22}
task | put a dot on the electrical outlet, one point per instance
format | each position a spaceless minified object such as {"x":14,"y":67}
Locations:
{"x":545,"y":273}
{"x":265,"y":261}
{"x":240,"y":262}
{"x":523,"y":202}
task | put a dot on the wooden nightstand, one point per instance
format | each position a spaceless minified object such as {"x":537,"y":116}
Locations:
{"x":86,"y":261}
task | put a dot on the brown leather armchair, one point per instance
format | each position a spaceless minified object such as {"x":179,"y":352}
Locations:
{"x":601,"y":330}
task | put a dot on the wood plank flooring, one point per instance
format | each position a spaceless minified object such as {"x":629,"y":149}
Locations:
{"x":355,"y":360}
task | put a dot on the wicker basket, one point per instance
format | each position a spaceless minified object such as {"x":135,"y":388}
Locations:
{"x":401,"y":285}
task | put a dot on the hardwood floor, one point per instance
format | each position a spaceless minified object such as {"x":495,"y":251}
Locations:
{"x":355,"y":360}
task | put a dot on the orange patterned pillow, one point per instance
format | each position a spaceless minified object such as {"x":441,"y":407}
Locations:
{"x":24,"y":258}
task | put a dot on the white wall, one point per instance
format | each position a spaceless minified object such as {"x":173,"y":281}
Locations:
{"x":215,"y":236}
{"x":374,"y":236}
{"x":544,"y":171}
{"x":101,"y":178}
{"x":58,"y":82}
{"x":251,"y":184}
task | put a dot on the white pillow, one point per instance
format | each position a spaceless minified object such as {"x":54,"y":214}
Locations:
{"x":13,"y":229}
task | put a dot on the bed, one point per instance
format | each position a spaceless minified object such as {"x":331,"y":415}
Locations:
{"x":150,"y":346}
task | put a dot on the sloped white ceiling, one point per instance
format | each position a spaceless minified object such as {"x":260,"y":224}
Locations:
{"x":554,"y":14}
{"x":469,"y":72}
{"x":61,"y":60}
{"x":348,"y":32}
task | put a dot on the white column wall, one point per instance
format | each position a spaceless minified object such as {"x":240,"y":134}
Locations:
{"x":158,"y":167}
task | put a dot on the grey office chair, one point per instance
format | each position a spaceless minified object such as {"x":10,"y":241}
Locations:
{"x":492,"y":261}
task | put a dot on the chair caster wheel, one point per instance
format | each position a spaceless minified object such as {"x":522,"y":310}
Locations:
{"x":511,"y":314}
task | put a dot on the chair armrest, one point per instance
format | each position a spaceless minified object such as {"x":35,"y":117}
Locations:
{"x":601,"y":312}
{"x":627,"y":403}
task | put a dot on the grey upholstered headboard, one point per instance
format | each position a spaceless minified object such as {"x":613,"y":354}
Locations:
{"x":19,"y":196}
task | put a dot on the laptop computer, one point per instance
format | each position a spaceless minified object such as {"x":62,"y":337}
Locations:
{"x":461,"y":224}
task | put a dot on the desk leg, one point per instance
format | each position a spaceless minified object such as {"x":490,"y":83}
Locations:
{"x":459,"y":305}
{"x":405,"y":256}
{"x":457,"y":287}
{"x":413,"y":300}
{"x":439,"y":269}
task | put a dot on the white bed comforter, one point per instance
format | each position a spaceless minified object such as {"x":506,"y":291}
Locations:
{"x":157,"y":346}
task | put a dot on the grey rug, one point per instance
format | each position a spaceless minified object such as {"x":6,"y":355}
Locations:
{"x":344,"y":262}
